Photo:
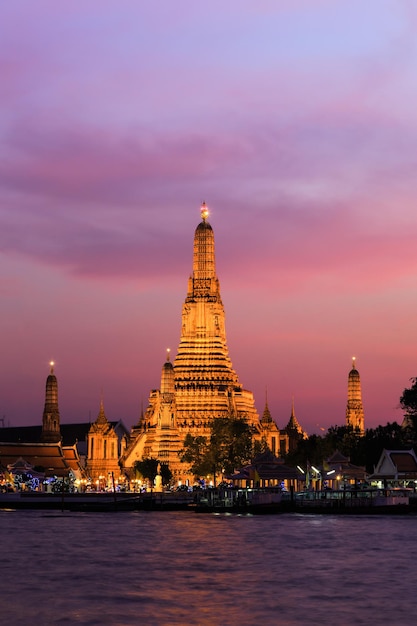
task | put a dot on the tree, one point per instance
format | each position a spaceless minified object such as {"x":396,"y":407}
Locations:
{"x":230,"y":443}
{"x":148,"y":468}
{"x":228,"y":446}
{"x":196,"y":453}
{"x":390,"y":437}
{"x":363,"y":451}
{"x":408,"y":402}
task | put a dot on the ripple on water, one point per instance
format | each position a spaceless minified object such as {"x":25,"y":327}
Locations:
{"x":182,"y":568}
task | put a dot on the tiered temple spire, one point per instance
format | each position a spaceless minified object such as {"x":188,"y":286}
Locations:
{"x":51,"y":432}
{"x":201,"y":384}
{"x":206,"y":384}
{"x":354,"y":410}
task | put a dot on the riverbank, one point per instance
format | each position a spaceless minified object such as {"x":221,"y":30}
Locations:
{"x":96,"y":501}
{"x":229,"y":500}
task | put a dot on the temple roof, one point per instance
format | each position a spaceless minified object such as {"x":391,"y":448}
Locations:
{"x":49,"y":456}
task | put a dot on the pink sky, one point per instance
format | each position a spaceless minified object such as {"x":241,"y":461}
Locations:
{"x":294,"y":120}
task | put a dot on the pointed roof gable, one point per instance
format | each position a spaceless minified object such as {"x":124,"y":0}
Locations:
{"x":396,"y":464}
{"x":293,"y":424}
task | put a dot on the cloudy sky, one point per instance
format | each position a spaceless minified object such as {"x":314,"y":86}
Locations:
{"x":294,"y":120}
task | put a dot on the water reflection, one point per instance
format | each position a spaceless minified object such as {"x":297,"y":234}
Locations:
{"x":183,"y":568}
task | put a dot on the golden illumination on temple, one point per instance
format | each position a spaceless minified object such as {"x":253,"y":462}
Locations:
{"x":204,"y":211}
{"x":200,"y":384}
{"x":355,"y":417}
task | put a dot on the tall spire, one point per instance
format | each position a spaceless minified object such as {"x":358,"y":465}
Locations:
{"x":204,"y":264}
{"x":201,"y":384}
{"x":101,"y":417}
{"x":167,"y":377}
{"x":354,"y":408}
{"x":266,"y":416}
{"x":206,"y":385}
{"x":51,"y":432}
{"x":293,"y":423}
{"x":203,"y":356}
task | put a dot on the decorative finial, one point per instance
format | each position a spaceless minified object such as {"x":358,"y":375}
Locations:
{"x":51,"y":364}
{"x":204,"y":211}
{"x":353,"y":362}
{"x":168,"y":353}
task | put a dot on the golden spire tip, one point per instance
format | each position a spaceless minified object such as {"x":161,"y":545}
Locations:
{"x":204,"y":211}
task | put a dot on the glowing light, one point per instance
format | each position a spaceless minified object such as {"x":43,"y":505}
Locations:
{"x":204,"y":211}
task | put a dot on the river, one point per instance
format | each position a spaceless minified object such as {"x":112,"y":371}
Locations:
{"x":182,"y":568}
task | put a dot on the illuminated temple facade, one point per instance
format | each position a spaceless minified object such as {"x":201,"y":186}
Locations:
{"x":355,"y":416}
{"x":200,"y":384}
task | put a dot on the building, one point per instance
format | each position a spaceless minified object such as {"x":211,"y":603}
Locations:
{"x":47,"y":459}
{"x":354,"y":410}
{"x":200,"y":385}
{"x":197,"y":387}
{"x":293,"y":431}
{"x":396,"y":467}
{"x":50,"y":420}
{"x":277,"y":441}
{"x":78,"y":451}
{"x":266,"y":470}
{"x":338,"y":471}
{"x":106,"y":443}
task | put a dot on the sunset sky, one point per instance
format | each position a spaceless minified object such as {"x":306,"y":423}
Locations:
{"x":294,"y":120}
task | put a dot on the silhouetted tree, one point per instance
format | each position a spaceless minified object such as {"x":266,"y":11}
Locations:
{"x":391,"y":437}
{"x":228,"y":446}
{"x":196,"y":453}
{"x":364,"y":451}
{"x":408,"y":403}
{"x":148,"y":469}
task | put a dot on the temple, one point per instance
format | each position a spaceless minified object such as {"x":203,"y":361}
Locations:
{"x":51,"y":432}
{"x":200,"y":385}
{"x":196,"y":387}
{"x":354,"y":409}
{"x":105,"y":444}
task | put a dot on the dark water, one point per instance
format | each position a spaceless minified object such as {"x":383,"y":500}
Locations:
{"x":183,"y":568}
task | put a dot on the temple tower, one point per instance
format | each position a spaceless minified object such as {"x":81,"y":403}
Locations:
{"x":201,"y":384}
{"x":103,"y":451}
{"x":270,"y":433}
{"x":51,"y":432}
{"x":294,"y":430}
{"x":354,"y":409}
{"x":206,"y":385}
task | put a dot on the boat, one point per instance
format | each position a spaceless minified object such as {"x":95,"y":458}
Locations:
{"x":236,"y":500}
